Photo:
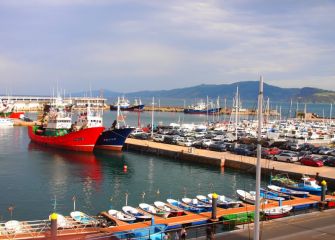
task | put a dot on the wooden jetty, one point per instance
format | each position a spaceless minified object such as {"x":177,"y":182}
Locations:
{"x":29,"y":231}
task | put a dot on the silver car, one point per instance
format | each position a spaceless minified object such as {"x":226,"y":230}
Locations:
{"x":286,"y":157}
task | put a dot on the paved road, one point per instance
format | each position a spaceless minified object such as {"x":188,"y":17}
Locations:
{"x":316,"y":225}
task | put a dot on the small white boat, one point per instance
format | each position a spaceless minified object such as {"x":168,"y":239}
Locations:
{"x":204,"y":199}
{"x":153,"y":210}
{"x":135,"y":213}
{"x":224,"y":201}
{"x":13,"y":226}
{"x":193,"y":202}
{"x":277,"y":212}
{"x":121,"y":216}
{"x":62,"y":222}
{"x":83,"y":218}
{"x":247,"y":197}
{"x":173,"y":211}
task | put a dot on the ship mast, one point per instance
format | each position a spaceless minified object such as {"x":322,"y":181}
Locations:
{"x":258,"y":164}
{"x":236,"y":112}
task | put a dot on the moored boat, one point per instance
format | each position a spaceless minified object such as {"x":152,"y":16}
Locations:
{"x":288,"y":191}
{"x":277,"y":212}
{"x":125,"y":105}
{"x":83,"y":218}
{"x":173,"y":211}
{"x":121,"y":216}
{"x":183,"y":206}
{"x":13,"y":226}
{"x":154,"y":210}
{"x":83,"y":140}
{"x":194,"y":202}
{"x":248,"y":197}
{"x":136,"y":213}
{"x":62,"y":222}
{"x":306,"y":183}
{"x":226,"y":201}
{"x":202,"y":108}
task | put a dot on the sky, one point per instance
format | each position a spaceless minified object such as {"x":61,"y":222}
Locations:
{"x":127,"y":46}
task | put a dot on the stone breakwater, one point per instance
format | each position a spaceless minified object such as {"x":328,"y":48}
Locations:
{"x":226,"y":159}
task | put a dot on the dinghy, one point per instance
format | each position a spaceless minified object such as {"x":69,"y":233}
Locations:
{"x":83,"y":218}
{"x":135,"y":213}
{"x":268,"y":195}
{"x":193,"y":202}
{"x":121,"y":216}
{"x":153,"y":210}
{"x":247,"y":197}
{"x":62,"y":222}
{"x":13,"y":226}
{"x":164,"y":207}
{"x":288,"y":191}
{"x":183,"y":206}
{"x":277,"y":212}
{"x":226,"y":202}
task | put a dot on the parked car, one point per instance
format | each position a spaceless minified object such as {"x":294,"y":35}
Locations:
{"x":158,"y":138}
{"x":313,"y":161}
{"x":218,"y":146}
{"x":286,"y":157}
{"x":325,"y":150}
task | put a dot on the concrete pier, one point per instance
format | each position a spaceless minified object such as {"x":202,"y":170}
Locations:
{"x":226,"y":159}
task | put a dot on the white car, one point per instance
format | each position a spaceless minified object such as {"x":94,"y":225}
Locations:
{"x":286,"y":157}
{"x":158,"y":138}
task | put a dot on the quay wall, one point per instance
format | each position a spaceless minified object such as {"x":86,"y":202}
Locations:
{"x":226,"y":159}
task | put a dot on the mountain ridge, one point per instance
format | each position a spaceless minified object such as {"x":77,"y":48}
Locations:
{"x":248,"y":91}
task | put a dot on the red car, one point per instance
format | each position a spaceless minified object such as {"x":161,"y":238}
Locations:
{"x":311,"y":161}
{"x":274,"y":151}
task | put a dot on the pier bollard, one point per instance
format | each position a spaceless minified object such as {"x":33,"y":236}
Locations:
{"x":280,"y":202}
{"x":53,"y":226}
{"x":214,"y":203}
{"x":152,"y":220}
{"x":323,"y":190}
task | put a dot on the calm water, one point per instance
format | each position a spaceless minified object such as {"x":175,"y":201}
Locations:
{"x":32,"y":176}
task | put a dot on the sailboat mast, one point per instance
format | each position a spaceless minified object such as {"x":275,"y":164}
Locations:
{"x":258,"y":165}
{"x":236,"y":112}
{"x":290,"y":116}
{"x":118,"y":113}
{"x":330,"y":114}
{"x":152,"y":116}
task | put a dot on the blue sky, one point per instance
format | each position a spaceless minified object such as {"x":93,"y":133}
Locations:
{"x":127,"y":46}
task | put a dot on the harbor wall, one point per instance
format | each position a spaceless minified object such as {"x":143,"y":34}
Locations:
{"x":229,"y":160}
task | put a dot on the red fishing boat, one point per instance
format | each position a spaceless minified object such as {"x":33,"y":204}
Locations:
{"x":58,"y":131}
{"x":82,"y":140}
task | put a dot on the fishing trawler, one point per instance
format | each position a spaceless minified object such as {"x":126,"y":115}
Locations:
{"x":125,"y":105}
{"x":58,"y":131}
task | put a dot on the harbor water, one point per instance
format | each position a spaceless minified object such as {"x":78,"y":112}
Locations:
{"x":35,"y":180}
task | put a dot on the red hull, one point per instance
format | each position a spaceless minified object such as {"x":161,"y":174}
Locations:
{"x":16,"y":115}
{"x":82,"y":140}
{"x":276,"y":215}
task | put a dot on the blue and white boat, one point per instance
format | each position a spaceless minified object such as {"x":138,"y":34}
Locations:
{"x":306,"y":184}
{"x":202,"y":108}
{"x":194,"y":202}
{"x":183,"y":206}
{"x":226,"y":202}
{"x":269,"y":195}
{"x":288,"y":191}
{"x":83,"y":218}
{"x":140,"y":216}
